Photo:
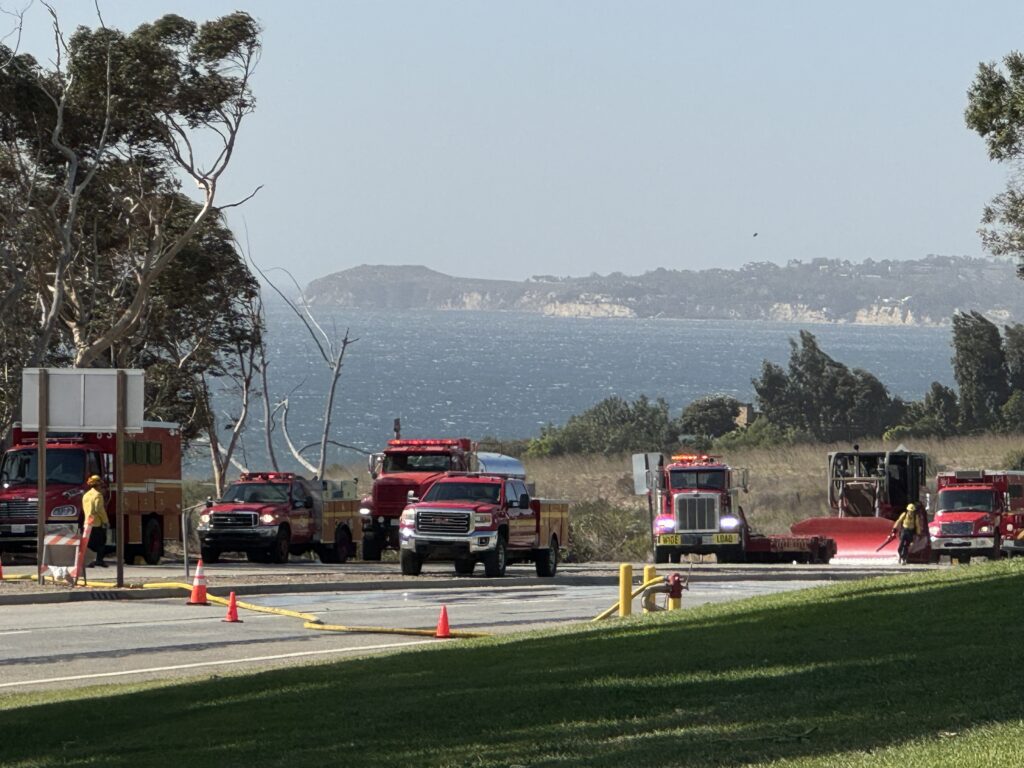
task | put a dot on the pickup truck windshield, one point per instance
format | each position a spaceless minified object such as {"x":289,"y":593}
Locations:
{"x":62,"y":466}
{"x":262,"y":493}
{"x":481,"y":493}
{"x":953,"y":501}
{"x":693,"y":478}
{"x":417,"y":462}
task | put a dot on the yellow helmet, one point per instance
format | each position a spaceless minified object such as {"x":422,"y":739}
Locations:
{"x":911,"y":507}
{"x":94,"y":480}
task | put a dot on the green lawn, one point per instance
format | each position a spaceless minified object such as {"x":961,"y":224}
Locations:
{"x":916,"y":670}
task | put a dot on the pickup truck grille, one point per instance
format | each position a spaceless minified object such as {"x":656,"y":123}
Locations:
{"x":233,"y":520}
{"x":442,"y":521}
{"x":696,"y":512}
{"x":957,"y":529}
{"x":19,"y":509}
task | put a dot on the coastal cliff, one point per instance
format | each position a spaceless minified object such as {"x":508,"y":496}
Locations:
{"x":923,"y":292}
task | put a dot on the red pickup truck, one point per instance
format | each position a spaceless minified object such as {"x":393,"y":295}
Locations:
{"x":267,"y":515}
{"x":487,"y":518}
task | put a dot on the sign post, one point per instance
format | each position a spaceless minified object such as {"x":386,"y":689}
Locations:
{"x":79,"y":400}
{"x":44,"y":407}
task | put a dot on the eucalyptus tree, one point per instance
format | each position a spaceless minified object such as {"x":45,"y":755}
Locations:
{"x":995,"y":111}
{"x":94,"y":150}
{"x":979,"y":367}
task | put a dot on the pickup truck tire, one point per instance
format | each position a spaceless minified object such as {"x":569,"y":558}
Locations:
{"x":281,"y":548}
{"x":411,"y":563}
{"x":152,"y":541}
{"x":210,"y":555}
{"x":546,"y":560}
{"x":464,"y":566}
{"x":495,"y":561}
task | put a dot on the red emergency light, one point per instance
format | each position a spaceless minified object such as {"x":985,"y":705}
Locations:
{"x":694,"y":458}
{"x":268,"y":476}
{"x":462,"y":443}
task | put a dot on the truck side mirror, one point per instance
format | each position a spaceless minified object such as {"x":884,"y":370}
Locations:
{"x":410,"y":497}
{"x":308,"y":503}
{"x":209,"y":502}
{"x":524,"y":501}
{"x":374,"y":463}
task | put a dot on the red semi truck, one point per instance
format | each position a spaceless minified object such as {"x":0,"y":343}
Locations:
{"x":152,"y":486}
{"x":404,"y":467}
{"x":974,"y":511}
{"x":484,"y":517}
{"x":698,"y":513}
{"x":272,"y":515}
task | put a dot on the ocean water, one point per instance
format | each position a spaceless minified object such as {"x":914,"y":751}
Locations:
{"x":481,"y":374}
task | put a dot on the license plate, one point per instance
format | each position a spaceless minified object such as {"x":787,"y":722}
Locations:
{"x":725,"y":538}
{"x":17,"y":529}
{"x":670,"y":538}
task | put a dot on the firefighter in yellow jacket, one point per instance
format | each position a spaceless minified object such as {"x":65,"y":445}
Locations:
{"x":96,"y":515}
{"x":907,"y":526}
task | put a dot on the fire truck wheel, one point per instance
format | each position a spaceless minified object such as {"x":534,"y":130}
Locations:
{"x":410,"y":562}
{"x":342,"y":545}
{"x":547,"y":559}
{"x":152,"y":541}
{"x":210,"y":555}
{"x":371,"y":547}
{"x":661,"y":554}
{"x":495,"y":562}
{"x":464,"y":566}
{"x":281,"y":548}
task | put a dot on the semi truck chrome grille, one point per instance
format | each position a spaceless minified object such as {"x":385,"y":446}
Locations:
{"x":233,"y":520}
{"x":441,"y":521}
{"x":696,"y":513}
{"x":957,"y":529}
{"x":27,"y":509}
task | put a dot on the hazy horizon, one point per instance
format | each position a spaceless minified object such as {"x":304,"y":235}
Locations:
{"x":507,"y":140}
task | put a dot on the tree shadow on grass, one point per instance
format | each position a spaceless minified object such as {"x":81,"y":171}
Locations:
{"x":870,"y":666}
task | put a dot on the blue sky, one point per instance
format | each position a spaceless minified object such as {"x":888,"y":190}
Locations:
{"x":525,"y":138}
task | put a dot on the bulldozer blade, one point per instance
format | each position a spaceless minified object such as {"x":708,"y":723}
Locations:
{"x":855,"y":537}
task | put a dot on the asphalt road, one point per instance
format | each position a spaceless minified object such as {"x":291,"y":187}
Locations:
{"x":100,"y":641}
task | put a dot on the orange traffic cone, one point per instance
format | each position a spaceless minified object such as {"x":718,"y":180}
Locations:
{"x":198,"y":596}
{"x":442,"y":624}
{"x":232,"y":617}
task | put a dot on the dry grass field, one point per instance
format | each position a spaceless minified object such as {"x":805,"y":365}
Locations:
{"x":787,"y":483}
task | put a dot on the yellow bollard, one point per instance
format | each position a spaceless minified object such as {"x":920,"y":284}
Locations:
{"x":675,"y":603}
{"x":625,"y":589}
{"x":650,"y":574}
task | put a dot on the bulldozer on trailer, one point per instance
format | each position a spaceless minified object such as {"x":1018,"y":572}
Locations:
{"x":867,"y":491}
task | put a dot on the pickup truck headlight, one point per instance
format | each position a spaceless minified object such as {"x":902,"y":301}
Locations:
{"x":408,"y":517}
{"x":65,"y":511}
{"x":483,"y":520}
{"x":204,"y":519}
{"x":267,"y":518}
{"x":985,"y":529}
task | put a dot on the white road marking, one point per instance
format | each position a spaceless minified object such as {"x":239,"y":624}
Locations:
{"x":221,"y":662}
{"x":17,"y":632}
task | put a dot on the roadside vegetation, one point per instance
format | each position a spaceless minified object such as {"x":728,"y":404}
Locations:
{"x":900,"y":671}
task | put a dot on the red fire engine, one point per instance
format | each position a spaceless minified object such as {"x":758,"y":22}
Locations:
{"x":974,"y":511}
{"x":152,"y":486}
{"x":405,"y":466}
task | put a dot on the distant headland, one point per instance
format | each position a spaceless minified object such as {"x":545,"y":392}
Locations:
{"x":927,"y":291}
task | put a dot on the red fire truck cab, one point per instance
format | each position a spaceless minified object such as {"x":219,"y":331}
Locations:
{"x":974,"y":511}
{"x":152,"y":486}
{"x":405,"y":466}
